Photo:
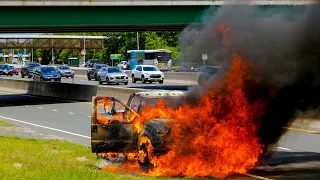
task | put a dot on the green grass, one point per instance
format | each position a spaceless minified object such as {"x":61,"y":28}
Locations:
{"x":5,"y":124}
{"x":51,"y":159}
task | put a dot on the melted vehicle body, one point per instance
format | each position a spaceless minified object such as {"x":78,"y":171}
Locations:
{"x":113,"y":122}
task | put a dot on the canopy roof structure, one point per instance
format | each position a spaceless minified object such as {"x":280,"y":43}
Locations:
{"x":51,"y":42}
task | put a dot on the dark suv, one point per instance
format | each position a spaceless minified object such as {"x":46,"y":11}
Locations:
{"x":206,"y":73}
{"x":92,"y":73}
{"x":91,"y":62}
{"x":27,"y":70}
{"x":5,"y":70}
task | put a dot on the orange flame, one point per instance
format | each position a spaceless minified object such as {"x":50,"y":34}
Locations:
{"x":217,"y":137}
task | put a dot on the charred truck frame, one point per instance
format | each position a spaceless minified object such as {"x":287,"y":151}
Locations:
{"x":117,"y":131}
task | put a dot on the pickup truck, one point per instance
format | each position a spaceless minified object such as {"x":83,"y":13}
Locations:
{"x":113,"y":130}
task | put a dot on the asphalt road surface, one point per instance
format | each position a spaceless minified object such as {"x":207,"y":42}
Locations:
{"x":84,"y":80}
{"x":297,"y":155}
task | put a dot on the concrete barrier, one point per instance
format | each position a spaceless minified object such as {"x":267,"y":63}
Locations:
{"x":77,"y":92}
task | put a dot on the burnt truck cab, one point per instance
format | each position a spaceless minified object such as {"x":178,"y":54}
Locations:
{"x":112,"y":125}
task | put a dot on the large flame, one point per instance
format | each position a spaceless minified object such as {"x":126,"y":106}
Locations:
{"x":217,"y":137}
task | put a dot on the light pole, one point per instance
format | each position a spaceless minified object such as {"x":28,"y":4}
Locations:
{"x":137,"y":40}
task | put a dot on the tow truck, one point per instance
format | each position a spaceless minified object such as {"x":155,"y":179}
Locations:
{"x":113,"y":125}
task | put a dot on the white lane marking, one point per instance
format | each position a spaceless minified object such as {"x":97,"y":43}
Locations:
{"x":45,"y":127}
{"x":257,"y":177}
{"x":71,"y":113}
{"x":40,"y":107}
{"x":27,"y":106}
{"x":54,"y":110}
{"x":283,"y":148}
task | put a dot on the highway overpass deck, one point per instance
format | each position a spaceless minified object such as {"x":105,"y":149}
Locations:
{"x":101,"y":16}
{"x":144,"y":2}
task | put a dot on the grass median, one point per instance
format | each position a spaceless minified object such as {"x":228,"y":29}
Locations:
{"x":5,"y":124}
{"x":51,"y":159}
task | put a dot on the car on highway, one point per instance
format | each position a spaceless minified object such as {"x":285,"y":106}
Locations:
{"x":206,"y":74}
{"x":46,"y":73}
{"x":91,"y":62}
{"x":5,"y":70}
{"x":14,"y":70}
{"x":116,"y":132}
{"x":147,"y":73}
{"x":92,"y":73}
{"x":27,"y":69}
{"x":65,"y":71}
{"x":123,"y":65}
{"x":112,"y":75}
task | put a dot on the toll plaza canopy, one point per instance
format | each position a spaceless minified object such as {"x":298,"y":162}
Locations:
{"x":40,"y":16}
{"x":51,"y":42}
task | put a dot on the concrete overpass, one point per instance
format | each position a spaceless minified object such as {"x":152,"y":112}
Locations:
{"x":34,"y":16}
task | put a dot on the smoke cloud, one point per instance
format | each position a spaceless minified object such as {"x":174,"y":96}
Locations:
{"x":283,"y":44}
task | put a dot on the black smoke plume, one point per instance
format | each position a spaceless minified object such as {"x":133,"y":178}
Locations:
{"x":283,"y":43}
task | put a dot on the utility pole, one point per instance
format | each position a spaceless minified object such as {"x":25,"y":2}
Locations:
{"x":32,"y":54}
{"x":137,"y":40}
{"x":52,"y":52}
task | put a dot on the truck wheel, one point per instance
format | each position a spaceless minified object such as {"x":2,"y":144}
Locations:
{"x":22,"y":75}
{"x":145,"y":152}
{"x":89,"y":79}
{"x":161,"y":82}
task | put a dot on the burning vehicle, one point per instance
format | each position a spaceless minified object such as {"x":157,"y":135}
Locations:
{"x":117,"y":128}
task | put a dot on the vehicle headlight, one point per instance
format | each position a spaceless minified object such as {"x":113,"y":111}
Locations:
{"x":72,"y":72}
{"x":147,"y":74}
{"x":111,"y":77}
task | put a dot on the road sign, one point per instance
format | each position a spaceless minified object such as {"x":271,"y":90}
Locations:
{"x":39,"y":59}
{"x":204,"y":57}
{"x":115,"y":56}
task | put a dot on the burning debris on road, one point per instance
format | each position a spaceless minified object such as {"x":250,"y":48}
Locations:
{"x":271,"y":70}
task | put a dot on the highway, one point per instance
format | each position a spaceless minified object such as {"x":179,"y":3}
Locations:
{"x":84,"y":80}
{"x":296,"y":156}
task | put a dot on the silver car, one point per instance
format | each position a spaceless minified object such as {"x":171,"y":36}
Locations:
{"x":112,"y":75}
{"x":65,"y":71}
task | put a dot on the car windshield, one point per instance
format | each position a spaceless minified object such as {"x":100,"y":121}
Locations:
{"x":100,"y":66}
{"x":150,"y":68}
{"x":33,"y":65}
{"x":64,"y":67}
{"x":5,"y":67}
{"x":11,"y":67}
{"x":114,"y":70}
{"x":48,"y":70}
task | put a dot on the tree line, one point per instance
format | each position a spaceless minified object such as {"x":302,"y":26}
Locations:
{"x":115,"y":43}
